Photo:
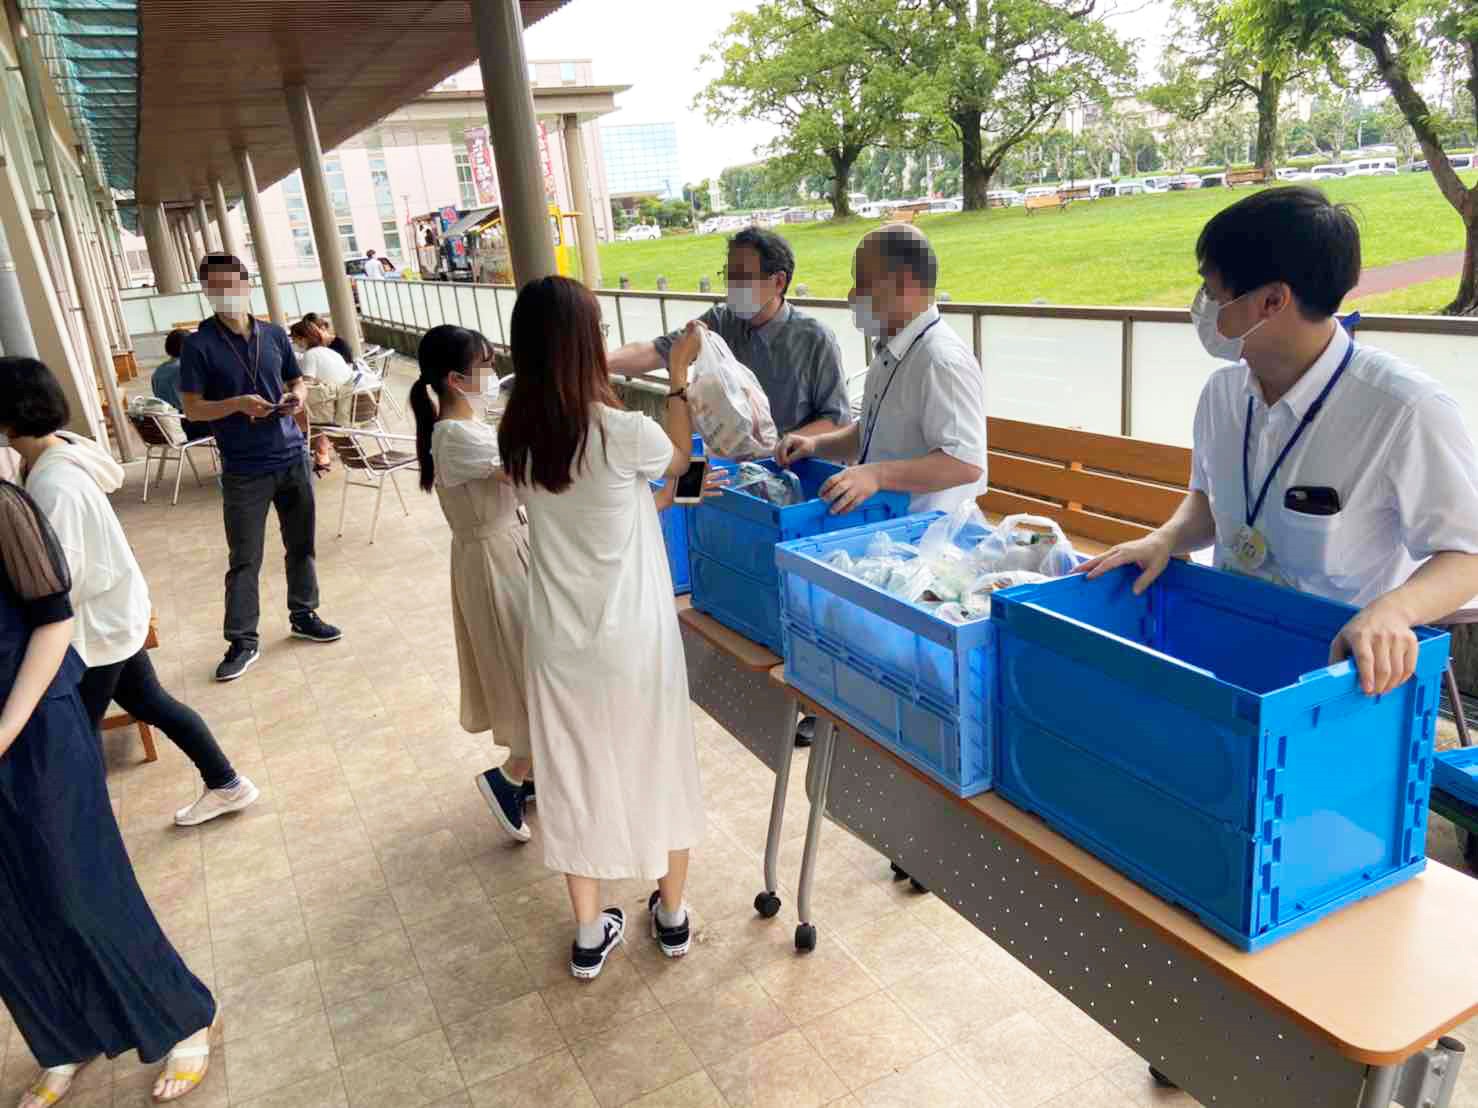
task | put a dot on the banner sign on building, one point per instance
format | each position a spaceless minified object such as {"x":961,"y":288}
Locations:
{"x":484,"y":174}
{"x":550,"y":192}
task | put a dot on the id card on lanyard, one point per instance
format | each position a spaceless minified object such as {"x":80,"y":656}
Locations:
{"x":1250,"y":547}
{"x":871,"y":424}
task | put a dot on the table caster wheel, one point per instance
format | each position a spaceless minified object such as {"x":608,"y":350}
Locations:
{"x":767,"y":904}
{"x":1161,"y":1080}
{"x":805,"y":937}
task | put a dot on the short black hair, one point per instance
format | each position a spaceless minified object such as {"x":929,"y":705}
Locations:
{"x":221,"y":261}
{"x":32,"y":403}
{"x":775,"y":253}
{"x":370,"y":253}
{"x":1291,"y":234}
{"x":174,"y":342}
{"x":903,"y":248}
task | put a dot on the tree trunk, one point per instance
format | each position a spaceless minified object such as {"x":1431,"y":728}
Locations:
{"x":1466,"y":301}
{"x":842,"y":162}
{"x":974,"y":180}
{"x":1269,"y":92}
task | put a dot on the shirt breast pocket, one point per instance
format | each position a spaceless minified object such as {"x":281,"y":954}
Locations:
{"x":1309,"y":543}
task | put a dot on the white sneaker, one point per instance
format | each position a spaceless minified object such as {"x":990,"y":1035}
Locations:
{"x":217,"y":802}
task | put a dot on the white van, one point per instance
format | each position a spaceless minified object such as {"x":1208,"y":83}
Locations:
{"x":1462,"y":161}
{"x":1003,"y":198}
{"x":1372,"y":167}
{"x":949,"y":204}
{"x":1330,"y":172}
{"x":1040,"y":190}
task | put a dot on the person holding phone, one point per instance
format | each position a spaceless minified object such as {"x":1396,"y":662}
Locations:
{"x":240,"y":375}
{"x":609,"y":713}
{"x":1320,"y":462}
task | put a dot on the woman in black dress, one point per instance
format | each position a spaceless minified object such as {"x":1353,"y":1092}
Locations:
{"x":84,"y":968}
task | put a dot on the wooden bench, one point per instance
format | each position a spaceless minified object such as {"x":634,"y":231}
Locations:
{"x":1051,"y":200}
{"x":1248,"y":177}
{"x":123,"y":719}
{"x":1100,"y":487}
{"x":1076,"y":192}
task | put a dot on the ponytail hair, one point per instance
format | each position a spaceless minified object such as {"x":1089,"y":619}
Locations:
{"x":444,"y":350}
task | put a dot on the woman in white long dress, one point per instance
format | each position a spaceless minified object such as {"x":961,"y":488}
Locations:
{"x":609,"y":715}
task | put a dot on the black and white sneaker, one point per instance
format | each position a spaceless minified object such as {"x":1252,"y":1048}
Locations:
{"x":307,"y":625}
{"x":587,"y":964}
{"x":529,"y":795}
{"x":506,"y":801}
{"x":674,"y":941}
{"x":239,"y":658}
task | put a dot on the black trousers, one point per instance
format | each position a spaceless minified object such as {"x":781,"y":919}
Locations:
{"x":247,"y":498}
{"x":135,"y":686}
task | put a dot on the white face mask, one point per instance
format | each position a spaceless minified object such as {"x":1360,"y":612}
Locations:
{"x":744,"y":299}
{"x":475,"y":386}
{"x":230,"y":303}
{"x":866,"y":318}
{"x":1204,"y":313}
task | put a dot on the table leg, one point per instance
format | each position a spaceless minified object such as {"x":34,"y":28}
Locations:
{"x":1380,"y":1086}
{"x":822,"y":752}
{"x":767,"y":903}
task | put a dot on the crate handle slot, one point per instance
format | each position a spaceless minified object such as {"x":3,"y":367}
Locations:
{"x":1339,"y":669}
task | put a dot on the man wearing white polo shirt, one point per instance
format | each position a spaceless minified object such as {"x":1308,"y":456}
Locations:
{"x":1320,"y":462}
{"x":922,"y":429}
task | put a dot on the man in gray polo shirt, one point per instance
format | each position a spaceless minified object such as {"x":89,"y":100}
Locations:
{"x":795,"y":357}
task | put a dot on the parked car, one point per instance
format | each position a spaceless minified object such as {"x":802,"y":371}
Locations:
{"x":949,"y":204}
{"x":1003,"y":198}
{"x":1156,"y":184}
{"x":1123,"y":188}
{"x":1330,"y":172}
{"x":1293,"y":175}
{"x":1039,"y":190}
{"x":1372,"y":167}
{"x":1418,"y":167}
{"x":1213,"y":180}
{"x":1184,"y":182}
{"x":1462,"y":161}
{"x":640,"y":232}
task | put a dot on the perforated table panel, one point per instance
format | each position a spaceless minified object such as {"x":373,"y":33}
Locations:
{"x":1213,"y":1039}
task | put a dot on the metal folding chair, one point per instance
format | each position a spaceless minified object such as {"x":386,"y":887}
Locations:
{"x":367,"y":452}
{"x":154,"y":429}
{"x":1458,"y":618}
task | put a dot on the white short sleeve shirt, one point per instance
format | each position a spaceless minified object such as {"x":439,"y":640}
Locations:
{"x":933,"y":399}
{"x":1391,"y":444}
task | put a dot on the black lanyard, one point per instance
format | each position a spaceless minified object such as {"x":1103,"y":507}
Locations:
{"x":1254,"y":509}
{"x":872,"y":424}
{"x":255,"y":355}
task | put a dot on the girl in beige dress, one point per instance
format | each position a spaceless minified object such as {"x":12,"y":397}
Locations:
{"x":490,"y":555}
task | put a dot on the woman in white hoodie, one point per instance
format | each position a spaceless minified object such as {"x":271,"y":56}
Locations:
{"x":69,"y":478}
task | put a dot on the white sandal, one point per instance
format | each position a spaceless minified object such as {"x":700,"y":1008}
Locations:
{"x":191,"y":1079}
{"x":39,"y":1092}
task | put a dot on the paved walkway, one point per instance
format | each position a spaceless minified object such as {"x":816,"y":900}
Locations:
{"x":1399,"y":275}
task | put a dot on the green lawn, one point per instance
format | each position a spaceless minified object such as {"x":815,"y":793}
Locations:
{"x":1425,"y":298}
{"x":1134,"y":250}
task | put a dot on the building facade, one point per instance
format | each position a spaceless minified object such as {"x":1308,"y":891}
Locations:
{"x":641,"y":159}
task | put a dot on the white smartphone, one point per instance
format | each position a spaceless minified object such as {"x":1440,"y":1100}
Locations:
{"x":690,"y":484}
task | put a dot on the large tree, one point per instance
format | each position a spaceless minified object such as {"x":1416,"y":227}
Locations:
{"x":1208,"y":64}
{"x":1400,"y":39}
{"x":986,"y":74}
{"x":811,"y":78}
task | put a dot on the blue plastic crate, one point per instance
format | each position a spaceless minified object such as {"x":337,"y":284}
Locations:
{"x":1456,"y":773}
{"x":916,"y":683}
{"x":1195,"y":738}
{"x":738,"y":533}
{"x":674,"y":522}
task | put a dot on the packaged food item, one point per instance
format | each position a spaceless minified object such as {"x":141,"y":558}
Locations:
{"x":782,"y":489}
{"x":729,"y":406}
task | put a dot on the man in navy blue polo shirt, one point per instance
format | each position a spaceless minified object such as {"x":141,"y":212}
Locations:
{"x":240,"y":375}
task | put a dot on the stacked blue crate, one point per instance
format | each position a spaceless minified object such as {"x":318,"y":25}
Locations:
{"x":674,"y":522}
{"x":1195,"y":738}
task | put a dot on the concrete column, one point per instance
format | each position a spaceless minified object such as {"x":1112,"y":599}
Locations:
{"x":111,"y":286}
{"x":515,"y":130}
{"x":229,"y":239}
{"x":321,"y":212}
{"x":92,"y":309}
{"x":584,"y":199}
{"x":106,"y":217}
{"x":208,"y":235}
{"x":43,"y":312}
{"x":164,"y":250}
{"x":16,"y":337}
{"x":186,"y":248}
{"x":261,"y":239}
{"x":195,"y":240}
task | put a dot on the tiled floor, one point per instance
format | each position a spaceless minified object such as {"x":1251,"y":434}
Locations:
{"x":374,"y":941}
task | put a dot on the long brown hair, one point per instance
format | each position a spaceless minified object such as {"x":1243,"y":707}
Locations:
{"x":559,"y":375}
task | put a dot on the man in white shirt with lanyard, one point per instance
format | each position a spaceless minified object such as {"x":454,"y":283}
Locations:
{"x":1320,"y":463}
{"x":923,"y":419}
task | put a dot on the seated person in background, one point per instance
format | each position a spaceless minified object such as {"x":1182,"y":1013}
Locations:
{"x":331,"y":340}
{"x":795,"y":356}
{"x":321,"y":365}
{"x":165,"y":383}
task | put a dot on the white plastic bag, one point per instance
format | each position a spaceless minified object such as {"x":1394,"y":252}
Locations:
{"x":782,"y":489}
{"x":173,"y":429}
{"x":1036,"y":544}
{"x":730,"y":408}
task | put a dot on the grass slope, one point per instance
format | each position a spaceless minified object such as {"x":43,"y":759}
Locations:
{"x":1134,"y":250}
